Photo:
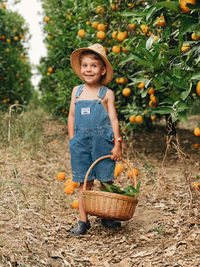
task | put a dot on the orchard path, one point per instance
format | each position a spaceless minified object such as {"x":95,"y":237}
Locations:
{"x":36,"y":213}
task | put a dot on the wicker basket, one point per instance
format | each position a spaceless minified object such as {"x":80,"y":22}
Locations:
{"x":108,"y":205}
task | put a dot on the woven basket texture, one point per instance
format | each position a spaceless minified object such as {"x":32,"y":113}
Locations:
{"x":109,"y":205}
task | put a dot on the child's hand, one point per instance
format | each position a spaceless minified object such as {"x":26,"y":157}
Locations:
{"x":116,"y":152}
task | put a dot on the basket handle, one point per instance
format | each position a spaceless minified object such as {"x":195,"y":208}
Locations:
{"x":105,"y":157}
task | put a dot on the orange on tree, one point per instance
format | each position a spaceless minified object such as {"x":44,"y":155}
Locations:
{"x":100,"y":9}
{"x":114,"y":35}
{"x":195,"y":36}
{"x":116,"y":49}
{"x":132,"y":118}
{"x":101,"y":27}
{"x":151,"y":91}
{"x":113,"y":7}
{"x":47,"y":19}
{"x":125,"y":50}
{"x":161,"y":21}
{"x":183,"y":4}
{"x":185,"y":47}
{"x":144,"y":28}
{"x":131,"y":27}
{"x":69,"y":16}
{"x":95,"y":24}
{"x":69,"y":189}
{"x":139,"y":119}
{"x":131,"y":5}
{"x":121,"y":36}
{"x":141,"y":85}
{"x":196,"y":145}
{"x":126,"y":92}
{"x":101,"y":35}
{"x":16,"y":38}
{"x":3,"y":5}
{"x":153,"y":98}
{"x":75,"y":204}
{"x":198,"y":88}
{"x":61,"y":176}
{"x":81,"y":33}
{"x":197,"y":131}
{"x":153,"y":117}
{"x":122,"y":80}
{"x":50,"y":69}
{"x":155,"y":38}
{"x":152,"y":105}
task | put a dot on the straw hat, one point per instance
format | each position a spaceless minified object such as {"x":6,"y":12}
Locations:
{"x":98,"y":49}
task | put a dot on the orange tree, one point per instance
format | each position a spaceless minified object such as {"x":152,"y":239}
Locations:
{"x":15,"y":72}
{"x":151,"y":44}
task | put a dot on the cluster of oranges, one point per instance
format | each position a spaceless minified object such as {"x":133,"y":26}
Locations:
{"x":120,"y":168}
{"x":70,"y":187}
{"x":153,"y":100}
{"x":136,"y":119}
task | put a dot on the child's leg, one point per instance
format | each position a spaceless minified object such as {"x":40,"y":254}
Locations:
{"x":82,"y":213}
{"x":83,"y":224}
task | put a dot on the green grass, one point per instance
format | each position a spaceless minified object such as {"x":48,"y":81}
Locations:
{"x":22,"y":128}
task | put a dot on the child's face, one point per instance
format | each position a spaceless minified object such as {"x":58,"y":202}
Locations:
{"x":92,"y":69}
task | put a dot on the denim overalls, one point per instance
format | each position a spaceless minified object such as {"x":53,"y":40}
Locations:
{"x":93,"y":138}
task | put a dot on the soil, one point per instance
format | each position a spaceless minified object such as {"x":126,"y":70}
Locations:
{"x":164,"y":230}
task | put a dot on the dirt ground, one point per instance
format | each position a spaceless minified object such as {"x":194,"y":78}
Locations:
{"x":35,"y":213}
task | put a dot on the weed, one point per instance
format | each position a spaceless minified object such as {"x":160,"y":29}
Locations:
{"x":160,"y":230}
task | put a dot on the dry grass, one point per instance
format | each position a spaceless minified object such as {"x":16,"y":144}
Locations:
{"x":35,"y":213}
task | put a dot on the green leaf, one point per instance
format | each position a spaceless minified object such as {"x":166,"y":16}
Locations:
{"x":126,"y":60}
{"x":185,"y":94}
{"x":150,"y":12}
{"x":181,"y":106}
{"x":196,"y":76}
{"x":163,"y":110}
{"x":169,"y":5}
{"x":188,"y":24}
{"x":182,"y":116}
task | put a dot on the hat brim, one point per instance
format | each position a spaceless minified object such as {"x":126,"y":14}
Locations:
{"x":75,"y":63}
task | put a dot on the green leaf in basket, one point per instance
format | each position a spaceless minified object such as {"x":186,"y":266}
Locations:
{"x":107,"y":187}
{"x":130,"y":188}
{"x":131,"y":194}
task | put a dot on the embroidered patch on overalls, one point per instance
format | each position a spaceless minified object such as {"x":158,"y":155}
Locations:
{"x":85,"y":111}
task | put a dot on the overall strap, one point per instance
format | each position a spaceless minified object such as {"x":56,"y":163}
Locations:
{"x":79,"y":90}
{"x":102,"y":92}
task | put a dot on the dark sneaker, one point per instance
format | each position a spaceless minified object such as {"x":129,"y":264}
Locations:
{"x":111,"y":223}
{"x":80,"y":228}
